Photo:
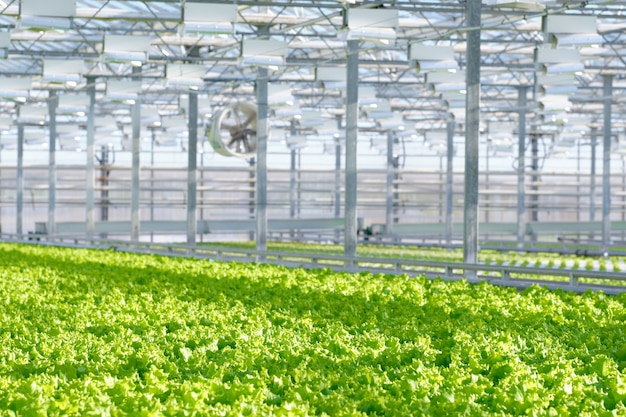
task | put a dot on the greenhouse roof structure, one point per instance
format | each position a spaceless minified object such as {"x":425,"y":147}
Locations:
{"x":412,"y":58}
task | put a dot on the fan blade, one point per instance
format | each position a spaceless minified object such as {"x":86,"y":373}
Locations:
{"x":249,"y":120}
{"x":237,"y":117}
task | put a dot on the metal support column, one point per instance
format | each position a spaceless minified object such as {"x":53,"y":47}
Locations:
{"x":135,"y":175}
{"x":592,"y":177}
{"x":91,"y":156}
{"x":20,"y":180}
{"x":449,"y":179}
{"x":606,"y":164}
{"x":534,"y":167}
{"x":52,"y":165}
{"x":352,"y":96}
{"x":470,"y":243}
{"x":337,"y":198}
{"x":389,"y":214}
{"x":292,"y":176}
{"x":521,"y":165}
{"x":192,"y":168}
{"x":261,"y":162}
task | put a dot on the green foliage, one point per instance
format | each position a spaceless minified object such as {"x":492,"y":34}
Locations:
{"x":108,"y":333}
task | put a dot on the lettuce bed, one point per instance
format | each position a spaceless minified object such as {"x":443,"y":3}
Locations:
{"x":107,"y":333}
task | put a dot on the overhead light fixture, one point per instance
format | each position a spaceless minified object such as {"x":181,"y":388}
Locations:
{"x":447,"y":82}
{"x":15,"y":88}
{"x":551,"y":103}
{"x":279,"y":94}
{"x":559,"y":60}
{"x":367,"y":95}
{"x":445,"y":77}
{"x":185,"y":75}
{"x":454,"y":98}
{"x":582,"y":39}
{"x":331,"y":77}
{"x":559,"y":89}
{"x":175,"y":124}
{"x":432,"y":57}
{"x":150,"y":116}
{"x":72,"y":103}
{"x":395,"y":122}
{"x":204,"y":105}
{"x":263,"y":53}
{"x":580,"y":30}
{"x":444,"y":87}
{"x":5,"y":44}
{"x":126,"y":49}
{"x":45,"y":14}
{"x":537,"y":5}
{"x":63,"y":71}
{"x":565,"y":67}
{"x":209,"y":18}
{"x":310,"y":118}
{"x":123,"y":89}
{"x":570,"y":23}
{"x":294,"y":112}
{"x":295,"y":141}
{"x":167,"y":139}
{"x":376,"y":25}
{"x":32,"y":114}
{"x":380,"y":110}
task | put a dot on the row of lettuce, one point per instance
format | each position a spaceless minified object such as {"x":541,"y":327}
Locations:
{"x":107,"y":333}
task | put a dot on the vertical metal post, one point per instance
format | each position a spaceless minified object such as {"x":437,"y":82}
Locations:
{"x":192,"y":168}
{"x":252,"y":193}
{"x":534,"y":166}
{"x":292,"y":185}
{"x":337,"y":198}
{"x":470,"y":244}
{"x":135,"y":167}
{"x":91,"y":155}
{"x":352,"y":97}
{"x":606,"y":164}
{"x":449,"y":179}
{"x":521,"y":165}
{"x":592,"y":177}
{"x":389,"y":183}
{"x":52,"y":165}
{"x":261,"y":162}
{"x":152,"y":142}
{"x":292,"y":177}
{"x":578,"y":180}
{"x":20,"y":179}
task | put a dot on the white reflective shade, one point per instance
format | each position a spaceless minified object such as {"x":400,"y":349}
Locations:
{"x":418,"y":52}
{"x":373,"y":18}
{"x":571,"y":23}
{"x":56,"y":8}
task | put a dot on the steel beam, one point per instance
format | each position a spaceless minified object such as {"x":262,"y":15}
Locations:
{"x":352,"y":96}
{"x":135,"y":167}
{"x":449,"y":179}
{"x":20,"y":180}
{"x":192,"y":167}
{"x":606,"y":163}
{"x":472,"y":114}
{"x":521,"y":165}
{"x":52,"y":164}
{"x":91,"y":156}
{"x":261,"y":160}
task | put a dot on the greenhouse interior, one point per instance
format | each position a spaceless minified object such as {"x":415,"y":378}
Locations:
{"x":431,"y":123}
{"x":312,"y":208}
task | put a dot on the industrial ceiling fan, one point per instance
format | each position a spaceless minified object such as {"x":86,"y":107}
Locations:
{"x":233,"y":130}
